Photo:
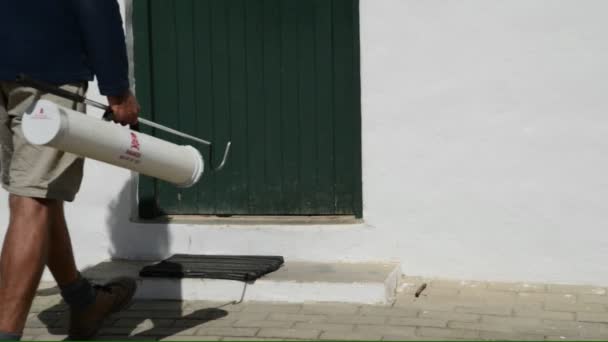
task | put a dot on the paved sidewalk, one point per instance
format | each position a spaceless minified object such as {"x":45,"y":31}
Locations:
{"x":445,"y":310}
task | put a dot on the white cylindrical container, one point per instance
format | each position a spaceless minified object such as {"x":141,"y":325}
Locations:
{"x":64,"y":129}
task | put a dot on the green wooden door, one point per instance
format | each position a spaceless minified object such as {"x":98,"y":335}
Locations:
{"x":279,"y":78}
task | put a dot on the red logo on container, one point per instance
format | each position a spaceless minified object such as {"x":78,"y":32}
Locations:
{"x":134,"y":141}
{"x":40,"y":114}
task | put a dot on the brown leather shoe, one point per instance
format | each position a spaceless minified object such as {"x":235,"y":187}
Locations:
{"x":111,"y":298}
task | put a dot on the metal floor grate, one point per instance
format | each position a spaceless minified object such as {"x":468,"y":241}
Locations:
{"x":242,"y":268}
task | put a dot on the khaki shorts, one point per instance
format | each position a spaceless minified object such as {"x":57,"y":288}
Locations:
{"x":35,"y":171}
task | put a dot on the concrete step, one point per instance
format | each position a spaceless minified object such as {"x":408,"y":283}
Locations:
{"x":295,"y":282}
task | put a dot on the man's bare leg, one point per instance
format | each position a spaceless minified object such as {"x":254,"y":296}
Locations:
{"x":60,"y":256}
{"x":23,"y":258}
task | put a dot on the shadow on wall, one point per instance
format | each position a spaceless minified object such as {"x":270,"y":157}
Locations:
{"x":130,"y":240}
{"x":143,"y":319}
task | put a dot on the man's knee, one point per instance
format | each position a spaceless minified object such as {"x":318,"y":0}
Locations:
{"x":32,"y":207}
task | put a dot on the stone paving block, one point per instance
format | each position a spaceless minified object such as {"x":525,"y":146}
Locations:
{"x":47,"y":300}
{"x":517,"y":287}
{"x":576,"y":307}
{"x":593,"y":299}
{"x":305,"y":334}
{"x":34,"y":321}
{"x":480,"y":326}
{"x":271,"y":307}
{"x":547,"y":297}
{"x":166,"y":305}
{"x":263,"y":324}
{"x":497,"y":336}
{"x":350,"y":336}
{"x":487,"y":296}
{"x":577,"y":289}
{"x":371,"y":310}
{"x":542,"y":314}
{"x":148,"y":323}
{"x":446,"y":333}
{"x":297,"y":317}
{"x":38,"y":308}
{"x":36,"y":331}
{"x":513,"y":321}
{"x":356,"y":319}
{"x":595,"y":331}
{"x":109,"y":322}
{"x":330,"y":309}
{"x":324,"y":326}
{"x":48,"y":315}
{"x":161,"y":332}
{"x":441,"y":293}
{"x":111,"y":331}
{"x":227,"y":331}
{"x":108,"y":338}
{"x":191,"y":338}
{"x":205,"y":304}
{"x":407,"y":338}
{"x":251,"y":316}
{"x":232,"y":338}
{"x":592,"y":317}
{"x":449,"y":316}
{"x":49,"y":338}
{"x":562,"y":338}
{"x":457,"y":284}
{"x":389,"y":330}
{"x":201,"y":323}
{"x":123,"y":338}
{"x":528,"y":306}
{"x":423,"y":303}
{"x":185,"y":331}
{"x":150,"y":314}
{"x":565,"y":328}
{"x":421,"y":322}
{"x":486,"y":310}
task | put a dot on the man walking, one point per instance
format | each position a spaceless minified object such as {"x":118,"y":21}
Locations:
{"x":64,"y":42}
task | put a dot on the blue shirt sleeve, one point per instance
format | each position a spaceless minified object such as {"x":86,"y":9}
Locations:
{"x":104,"y":42}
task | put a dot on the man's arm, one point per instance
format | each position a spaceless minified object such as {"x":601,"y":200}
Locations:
{"x":104,"y":39}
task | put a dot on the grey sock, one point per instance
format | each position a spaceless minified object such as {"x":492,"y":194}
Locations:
{"x":78,"y":294}
{"x":9,"y":337}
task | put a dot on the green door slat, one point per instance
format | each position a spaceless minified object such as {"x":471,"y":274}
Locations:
{"x":279,"y":78}
{"x":356,"y":118}
{"x":343,"y":108}
{"x":324,"y":108}
{"x":290,"y":106}
{"x":204,"y":99}
{"x":187,"y":121}
{"x":166,"y":96}
{"x":220,"y":74}
{"x":148,"y":206}
{"x":256,"y":117}
{"x":272,"y":104}
{"x":306,"y":114}
{"x":238,"y":187}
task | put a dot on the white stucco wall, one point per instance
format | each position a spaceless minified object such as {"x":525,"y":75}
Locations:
{"x":484,"y":142}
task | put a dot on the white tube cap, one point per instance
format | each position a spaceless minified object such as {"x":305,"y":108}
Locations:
{"x":199,"y":168}
{"x":43,"y":124}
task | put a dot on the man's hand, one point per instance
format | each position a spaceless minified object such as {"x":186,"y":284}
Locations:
{"x":125,"y":108}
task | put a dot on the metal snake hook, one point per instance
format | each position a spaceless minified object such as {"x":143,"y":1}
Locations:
{"x":224,"y":158}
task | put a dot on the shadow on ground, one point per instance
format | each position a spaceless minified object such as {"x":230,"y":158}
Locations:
{"x":143,"y":319}
{"x":139,"y":321}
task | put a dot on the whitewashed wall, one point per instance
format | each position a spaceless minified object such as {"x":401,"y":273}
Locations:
{"x":485,"y":143}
